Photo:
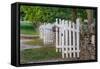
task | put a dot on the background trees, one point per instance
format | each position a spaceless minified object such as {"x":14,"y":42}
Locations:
{"x":41,"y":14}
{"x":44,"y":14}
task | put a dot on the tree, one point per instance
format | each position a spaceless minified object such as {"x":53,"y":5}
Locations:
{"x":74,"y":14}
{"x":38,"y":14}
{"x":90,"y":19}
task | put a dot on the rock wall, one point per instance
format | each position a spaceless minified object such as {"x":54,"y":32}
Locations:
{"x":87,"y":49}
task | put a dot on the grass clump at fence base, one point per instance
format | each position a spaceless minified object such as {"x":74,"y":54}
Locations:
{"x":38,"y":54}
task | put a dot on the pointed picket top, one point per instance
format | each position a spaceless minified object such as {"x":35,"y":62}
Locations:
{"x":60,"y":22}
{"x":56,"y":21}
{"x":69,"y":24}
{"x":73,"y":25}
{"x":66,"y":23}
{"x":77,"y":21}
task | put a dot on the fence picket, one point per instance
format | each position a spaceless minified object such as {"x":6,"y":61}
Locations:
{"x":73,"y":40}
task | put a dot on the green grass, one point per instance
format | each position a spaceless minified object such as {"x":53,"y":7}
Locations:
{"x":38,"y":54}
{"x":27,"y":28}
{"x":29,"y":32}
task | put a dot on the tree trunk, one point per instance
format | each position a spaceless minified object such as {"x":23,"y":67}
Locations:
{"x":90,"y":29}
{"x":74,"y":15}
{"x":90,"y":20}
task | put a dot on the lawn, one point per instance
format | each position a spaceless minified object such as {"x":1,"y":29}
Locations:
{"x":27,"y":28}
{"x":38,"y":54}
{"x":29,"y":32}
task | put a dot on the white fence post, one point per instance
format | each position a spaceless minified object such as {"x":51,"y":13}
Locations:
{"x":62,"y":42}
{"x":56,"y":36}
{"x":70,"y":39}
{"x":78,"y":25}
{"x":66,"y":33}
{"x":73,"y":39}
{"x":62,"y":38}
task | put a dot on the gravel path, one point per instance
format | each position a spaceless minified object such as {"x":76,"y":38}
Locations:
{"x":24,"y":46}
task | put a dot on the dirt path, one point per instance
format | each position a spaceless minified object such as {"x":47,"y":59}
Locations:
{"x":24,"y":46}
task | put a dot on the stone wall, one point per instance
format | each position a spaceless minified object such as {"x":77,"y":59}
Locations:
{"x":87,"y":49}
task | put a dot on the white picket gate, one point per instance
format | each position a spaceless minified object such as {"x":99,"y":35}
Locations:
{"x":67,"y":37}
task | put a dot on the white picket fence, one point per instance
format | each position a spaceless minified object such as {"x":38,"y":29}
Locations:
{"x":67,"y":37}
{"x":46,"y":33}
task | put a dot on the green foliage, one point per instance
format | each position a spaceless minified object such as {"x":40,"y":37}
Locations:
{"x":41,"y":14}
{"x":82,"y":14}
{"x":38,"y":14}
